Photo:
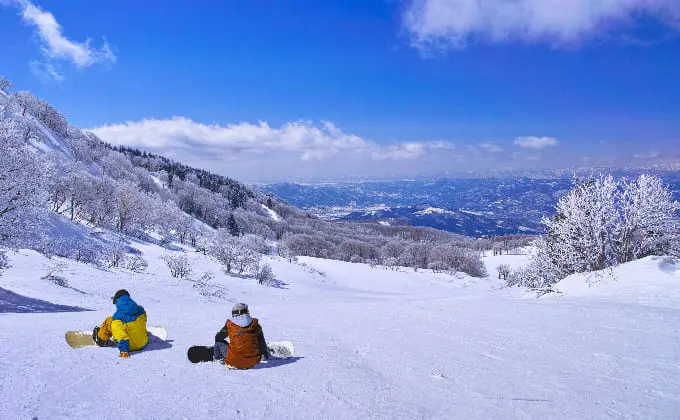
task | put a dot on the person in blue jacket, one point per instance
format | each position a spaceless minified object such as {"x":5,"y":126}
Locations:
{"x":126,"y":329}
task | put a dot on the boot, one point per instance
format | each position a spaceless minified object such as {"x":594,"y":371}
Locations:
{"x":99,"y":341}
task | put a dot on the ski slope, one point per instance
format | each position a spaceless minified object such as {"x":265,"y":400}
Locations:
{"x":370,"y":343}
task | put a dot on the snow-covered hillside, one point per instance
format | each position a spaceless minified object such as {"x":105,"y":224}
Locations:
{"x":370,"y":343}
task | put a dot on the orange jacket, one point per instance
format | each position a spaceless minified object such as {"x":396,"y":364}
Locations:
{"x":244,"y":348}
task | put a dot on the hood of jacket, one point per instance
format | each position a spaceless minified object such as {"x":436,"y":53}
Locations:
{"x":127,"y":310}
{"x":242,"y":320}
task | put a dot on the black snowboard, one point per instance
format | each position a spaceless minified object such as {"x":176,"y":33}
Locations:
{"x":198,"y":354}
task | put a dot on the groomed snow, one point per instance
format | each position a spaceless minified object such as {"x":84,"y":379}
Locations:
{"x":370,"y":343}
{"x":271,"y":212}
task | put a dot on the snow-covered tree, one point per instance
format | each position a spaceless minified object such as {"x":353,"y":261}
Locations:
{"x":503,"y":271}
{"x":226,"y":248}
{"x":99,"y":202}
{"x":5,"y":84}
{"x":393,"y":249}
{"x":233,"y":227}
{"x":649,"y":220}
{"x":135,"y":263}
{"x":247,"y":259}
{"x":4,"y":263}
{"x":581,"y":233}
{"x":416,"y":255}
{"x":265,"y":274}
{"x":129,"y":205}
{"x":178,"y":264}
{"x":438,"y":266}
{"x":255,"y":242}
{"x":391,"y":262}
{"x":114,"y":255}
{"x":117,"y":166}
{"x":601,"y":223}
{"x":21,"y":180}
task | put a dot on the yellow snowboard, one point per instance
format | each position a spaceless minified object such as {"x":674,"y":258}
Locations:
{"x":78,"y":339}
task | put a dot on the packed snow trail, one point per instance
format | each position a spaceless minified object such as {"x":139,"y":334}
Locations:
{"x":369,"y":344}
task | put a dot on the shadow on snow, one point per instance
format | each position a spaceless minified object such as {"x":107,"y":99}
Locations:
{"x":276,"y":362}
{"x":155,"y":344}
{"x":11,"y":302}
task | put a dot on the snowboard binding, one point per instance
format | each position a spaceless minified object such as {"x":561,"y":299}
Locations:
{"x":99,"y":341}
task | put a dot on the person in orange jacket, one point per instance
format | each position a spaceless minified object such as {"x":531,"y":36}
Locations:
{"x":246,"y":346}
{"x":126,"y":329}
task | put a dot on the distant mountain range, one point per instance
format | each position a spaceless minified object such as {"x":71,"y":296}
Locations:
{"x":475,"y":206}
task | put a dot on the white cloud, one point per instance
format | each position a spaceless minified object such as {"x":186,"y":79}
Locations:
{"x":56,"y":45}
{"x":45,"y":71}
{"x":260,"y":152}
{"x":559,"y":22}
{"x":490,"y":147}
{"x":538,"y":143}
{"x":652,"y":154}
{"x":249,"y":150}
{"x":410,"y":151}
{"x":310,"y":142}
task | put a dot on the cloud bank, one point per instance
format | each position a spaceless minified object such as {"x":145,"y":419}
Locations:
{"x":455,"y":23}
{"x":537,"y":143}
{"x":258,"y":151}
{"x":303,"y":150}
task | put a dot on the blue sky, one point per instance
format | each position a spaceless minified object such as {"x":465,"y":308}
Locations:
{"x":263,"y":90}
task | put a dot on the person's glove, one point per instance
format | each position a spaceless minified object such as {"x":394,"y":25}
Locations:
{"x":124,"y":355}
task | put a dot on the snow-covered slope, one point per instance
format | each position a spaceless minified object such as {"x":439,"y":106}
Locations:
{"x":654,"y":281}
{"x":370,"y":343}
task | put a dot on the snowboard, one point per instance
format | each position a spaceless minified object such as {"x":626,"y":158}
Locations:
{"x":78,"y":339}
{"x":277,"y":350}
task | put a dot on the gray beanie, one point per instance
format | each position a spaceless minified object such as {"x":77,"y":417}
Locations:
{"x":239,"y":308}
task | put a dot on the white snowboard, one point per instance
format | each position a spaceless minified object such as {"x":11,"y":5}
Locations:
{"x":281,"y":349}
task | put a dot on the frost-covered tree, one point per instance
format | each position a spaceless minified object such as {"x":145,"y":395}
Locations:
{"x":178,"y":264}
{"x":247,"y":259}
{"x":129,"y":206}
{"x":136,"y":263}
{"x":226,"y":248}
{"x":649,"y":220}
{"x":21,"y":180}
{"x":168,"y":221}
{"x":255,"y":242}
{"x":117,"y":166}
{"x":416,"y":255}
{"x":601,"y":223}
{"x":581,"y":233}
{"x":392,"y":263}
{"x":99,"y":203}
{"x":393,"y":249}
{"x":114,"y":255}
{"x":503,"y":271}
{"x":438,"y":266}
{"x":265,"y":274}
{"x":5,"y":84}
{"x":4,"y":263}
{"x":234,"y":230}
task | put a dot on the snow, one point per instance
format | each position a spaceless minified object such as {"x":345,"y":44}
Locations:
{"x":272,"y":213}
{"x":474,"y":213}
{"x":157,"y":181}
{"x":654,"y":281}
{"x":434,"y":210}
{"x":384,"y":223}
{"x":370,"y":343}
